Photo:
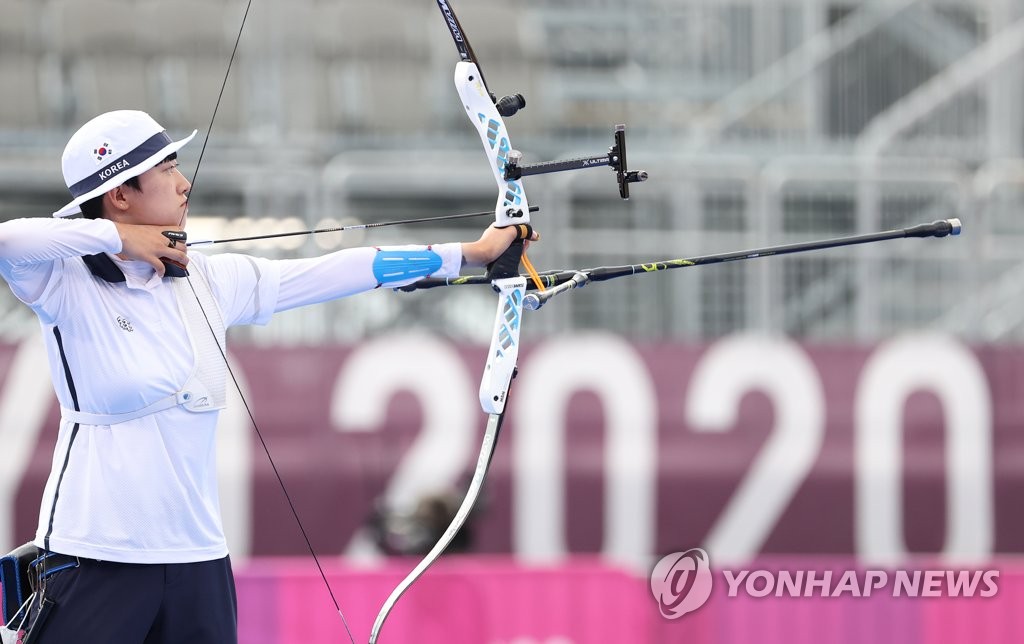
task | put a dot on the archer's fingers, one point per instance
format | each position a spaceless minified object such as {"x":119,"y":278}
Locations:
{"x":175,"y":255}
{"x":533,"y":238}
{"x":157,"y":265}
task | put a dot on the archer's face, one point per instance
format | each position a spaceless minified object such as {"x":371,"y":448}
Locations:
{"x":162,"y":198}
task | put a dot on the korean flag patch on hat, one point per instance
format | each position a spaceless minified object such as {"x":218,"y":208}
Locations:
{"x":109,"y":150}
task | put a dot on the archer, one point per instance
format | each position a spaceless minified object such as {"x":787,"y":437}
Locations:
{"x":129,"y":546}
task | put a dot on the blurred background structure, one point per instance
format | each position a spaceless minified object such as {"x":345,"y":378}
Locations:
{"x":761,"y":122}
{"x":840,"y":433}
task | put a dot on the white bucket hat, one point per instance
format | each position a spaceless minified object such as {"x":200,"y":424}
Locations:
{"x":109,"y":150}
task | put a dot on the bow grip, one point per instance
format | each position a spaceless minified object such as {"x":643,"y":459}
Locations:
{"x":507,"y":264}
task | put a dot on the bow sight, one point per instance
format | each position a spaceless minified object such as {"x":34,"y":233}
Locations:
{"x":615,"y":159}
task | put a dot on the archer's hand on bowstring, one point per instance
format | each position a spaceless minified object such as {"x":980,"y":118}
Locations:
{"x":492,"y":243}
{"x":148,"y":244}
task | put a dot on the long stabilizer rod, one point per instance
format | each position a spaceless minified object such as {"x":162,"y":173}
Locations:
{"x":552,"y":279}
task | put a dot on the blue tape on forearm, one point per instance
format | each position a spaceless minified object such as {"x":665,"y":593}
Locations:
{"x":400,"y":265}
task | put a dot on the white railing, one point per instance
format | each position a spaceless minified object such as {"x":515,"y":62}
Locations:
{"x":734,"y":131}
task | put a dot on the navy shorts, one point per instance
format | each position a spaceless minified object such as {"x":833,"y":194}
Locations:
{"x":102,"y":602}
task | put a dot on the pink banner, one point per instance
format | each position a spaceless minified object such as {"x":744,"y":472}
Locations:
{"x":748,"y":446}
{"x":495,"y":601}
{"x":459,"y":600}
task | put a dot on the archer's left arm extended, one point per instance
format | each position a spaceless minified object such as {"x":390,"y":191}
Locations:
{"x":354,"y":270}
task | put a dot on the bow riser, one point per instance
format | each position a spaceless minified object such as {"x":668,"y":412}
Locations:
{"x":504,"y":349}
{"x":511,"y":209}
{"x":512,"y":206}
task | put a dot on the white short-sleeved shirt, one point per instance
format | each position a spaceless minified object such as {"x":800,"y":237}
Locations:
{"x":145,"y":490}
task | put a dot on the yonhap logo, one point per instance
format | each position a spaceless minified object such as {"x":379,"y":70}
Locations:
{"x":681,"y":582}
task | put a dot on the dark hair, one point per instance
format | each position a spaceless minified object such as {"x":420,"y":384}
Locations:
{"x":93,"y":209}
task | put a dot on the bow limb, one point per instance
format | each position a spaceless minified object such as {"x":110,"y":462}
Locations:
{"x":483,"y":462}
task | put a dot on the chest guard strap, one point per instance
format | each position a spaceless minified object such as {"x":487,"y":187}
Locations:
{"x":205,"y":388}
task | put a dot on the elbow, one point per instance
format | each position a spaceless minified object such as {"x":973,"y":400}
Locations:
{"x":17,"y":239}
{"x":8,"y":241}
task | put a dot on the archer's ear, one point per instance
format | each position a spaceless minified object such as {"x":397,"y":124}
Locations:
{"x":118,"y":199}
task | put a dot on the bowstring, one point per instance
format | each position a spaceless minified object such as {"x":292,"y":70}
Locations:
{"x":223,"y":353}
{"x":216,"y":106}
{"x":273,"y":464}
